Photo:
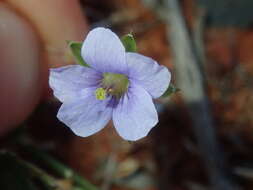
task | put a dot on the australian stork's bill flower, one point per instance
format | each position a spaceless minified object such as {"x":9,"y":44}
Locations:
{"x":118,"y":85}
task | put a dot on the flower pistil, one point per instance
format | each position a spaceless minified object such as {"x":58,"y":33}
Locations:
{"x":113,"y":84}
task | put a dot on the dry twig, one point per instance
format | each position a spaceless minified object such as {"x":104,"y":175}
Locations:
{"x":190,"y":80}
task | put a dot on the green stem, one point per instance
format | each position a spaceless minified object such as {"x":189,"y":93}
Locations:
{"x":49,"y":181}
{"x":59,"y":168}
{"x":81,"y":182}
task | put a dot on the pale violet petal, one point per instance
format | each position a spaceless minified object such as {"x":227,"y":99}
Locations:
{"x":148,"y":73}
{"x":103,"y":51}
{"x":135,"y":114}
{"x":87,"y":115}
{"x":68,"y":82}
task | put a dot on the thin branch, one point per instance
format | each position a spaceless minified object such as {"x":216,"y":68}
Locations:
{"x":190,"y":80}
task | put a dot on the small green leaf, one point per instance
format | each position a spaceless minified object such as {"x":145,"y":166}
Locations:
{"x":171,"y":90}
{"x":129,"y":43}
{"x":75,"y":48}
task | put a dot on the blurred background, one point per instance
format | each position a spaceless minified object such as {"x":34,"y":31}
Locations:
{"x":204,"y":138}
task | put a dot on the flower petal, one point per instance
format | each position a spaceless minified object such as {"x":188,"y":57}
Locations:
{"x":103,"y":50}
{"x":69,"y":81}
{"x":135,"y":114}
{"x":148,"y":73}
{"x":87,"y":115}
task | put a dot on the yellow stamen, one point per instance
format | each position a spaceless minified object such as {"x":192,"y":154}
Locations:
{"x":100,"y":94}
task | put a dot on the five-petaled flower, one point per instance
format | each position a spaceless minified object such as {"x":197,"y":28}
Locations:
{"x":118,"y":85}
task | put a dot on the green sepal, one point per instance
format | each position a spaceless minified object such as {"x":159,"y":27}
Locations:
{"x":170,"y":90}
{"x":129,"y":43}
{"x":75,"y":48}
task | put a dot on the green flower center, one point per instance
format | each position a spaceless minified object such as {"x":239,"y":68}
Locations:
{"x":113,"y":84}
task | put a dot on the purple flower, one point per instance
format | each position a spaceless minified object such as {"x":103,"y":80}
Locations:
{"x":118,"y":85}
